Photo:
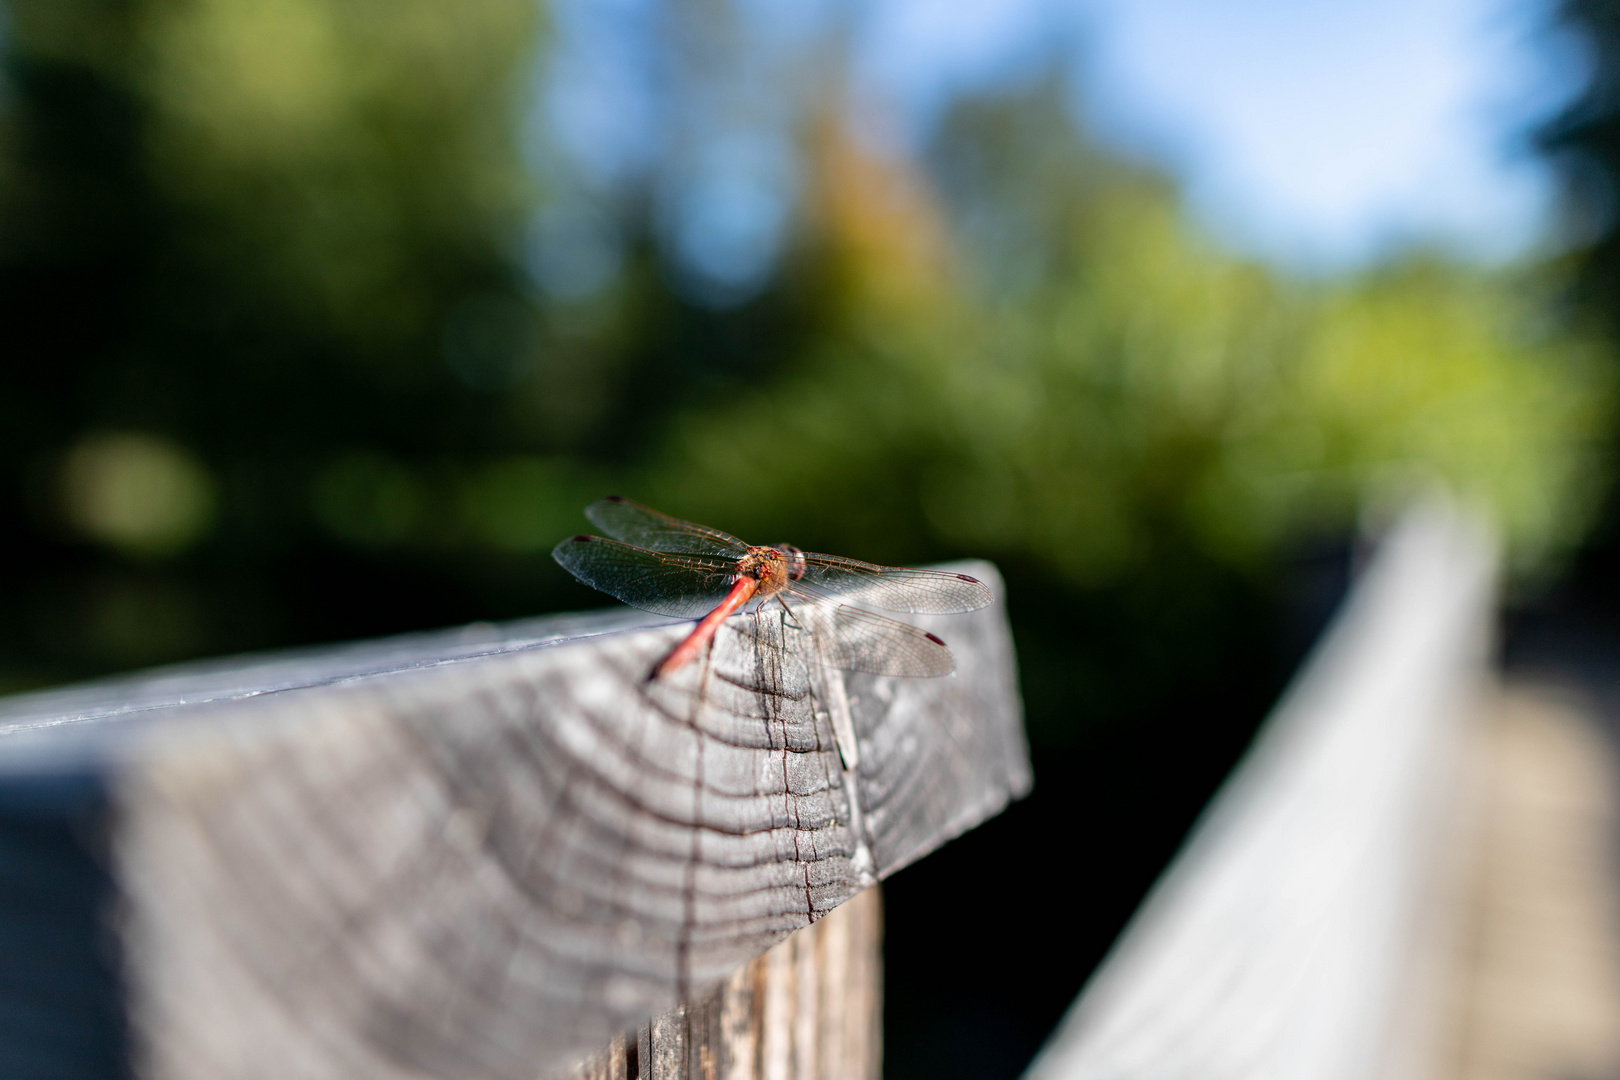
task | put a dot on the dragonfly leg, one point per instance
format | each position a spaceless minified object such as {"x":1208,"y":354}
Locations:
{"x":787,"y":614}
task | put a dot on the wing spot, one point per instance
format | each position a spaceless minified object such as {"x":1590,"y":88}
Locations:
{"x":583,"y":539}
{"x":964,"y":577}
{"x":614,"y":498}
{"x":934,"y":639}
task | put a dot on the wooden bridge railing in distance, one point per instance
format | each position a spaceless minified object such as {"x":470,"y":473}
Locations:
{"x":1301,"y":930}
{"x":484,"y":854}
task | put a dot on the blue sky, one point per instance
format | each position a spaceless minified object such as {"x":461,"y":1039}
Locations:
{"x":1318,"y":134}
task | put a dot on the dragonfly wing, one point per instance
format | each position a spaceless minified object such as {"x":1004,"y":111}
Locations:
{"x":864,"y":641}
{"x":682,"y":586}
{"x":646,"y":527}
{"x":893,"y":588}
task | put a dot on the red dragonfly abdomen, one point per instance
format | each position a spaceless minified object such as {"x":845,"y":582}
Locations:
{"x":740,"y":594}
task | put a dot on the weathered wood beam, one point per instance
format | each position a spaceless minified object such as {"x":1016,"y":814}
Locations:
{"x":1294,"y":934}
{"x":488,"y":852}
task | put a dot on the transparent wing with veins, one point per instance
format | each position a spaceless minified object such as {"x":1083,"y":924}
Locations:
{"x":678,"y":568}
{"x":645,"y":527}
{"x":826,"y":577}
{"x":892,"y":588}
{"x":690,"y":586}
{"x":665,"y":583}
{"x":864,"y":641}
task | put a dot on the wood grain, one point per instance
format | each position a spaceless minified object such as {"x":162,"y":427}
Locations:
{"x":485,"y":855}
{"x":809,"y":1009}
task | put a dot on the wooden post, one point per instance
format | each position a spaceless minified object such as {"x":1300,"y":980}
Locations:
{"x":808,"y":1009}
{"x":487,"y":853}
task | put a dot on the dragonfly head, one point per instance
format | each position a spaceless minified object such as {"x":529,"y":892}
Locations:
{"x":795,"y":561}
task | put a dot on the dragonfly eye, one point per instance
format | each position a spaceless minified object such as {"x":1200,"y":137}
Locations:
{"x":795,"y":567}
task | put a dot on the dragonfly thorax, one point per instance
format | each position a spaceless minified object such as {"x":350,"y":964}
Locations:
{"x":771,"y":567}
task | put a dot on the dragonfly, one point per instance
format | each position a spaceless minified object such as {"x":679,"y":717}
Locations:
{"x":667,"y":566}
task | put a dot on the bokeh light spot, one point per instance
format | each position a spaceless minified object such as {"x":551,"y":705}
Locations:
{"x":727,"y":219}
{"x":573,"y":252}
{"x":139,"y":493}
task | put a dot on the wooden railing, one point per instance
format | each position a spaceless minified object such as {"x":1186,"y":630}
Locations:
{"x":500,"y":852}
{"x":496,"y":852}
{"x":1297,"y":935}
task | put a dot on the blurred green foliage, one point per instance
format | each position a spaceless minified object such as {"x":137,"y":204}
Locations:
{"x":1080,"y":381}
{"x":1145,"y":387}
{"x":276,"y":371}
{"x":355,"y":161}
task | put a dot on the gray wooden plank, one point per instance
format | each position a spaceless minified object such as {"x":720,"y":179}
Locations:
{"x":54,"y":722}
{"x":487,"y":855}
{"x":1289,"y":938}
